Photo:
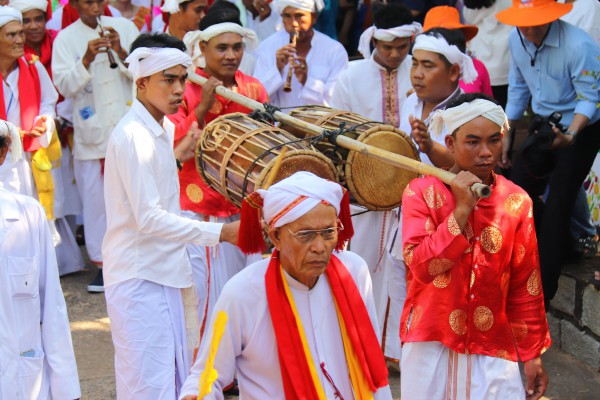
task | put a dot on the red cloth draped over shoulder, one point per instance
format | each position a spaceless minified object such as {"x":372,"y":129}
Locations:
{"x":297,"y":380}
{"x":30,"y":97}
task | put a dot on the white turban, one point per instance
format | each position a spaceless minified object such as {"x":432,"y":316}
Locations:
{"x":292,"y":197}
{"x":9,"y":14}
{"x":26,"y":5}
{"x":386,"y":35}
{"x":192,"y":39}
{"x":146,"y":61}
{"x":456,"y":117}
{"x":451,"y":52}
{"x":306,"y":5}
{"x":172,"y":6}
{"x":16,"y":147}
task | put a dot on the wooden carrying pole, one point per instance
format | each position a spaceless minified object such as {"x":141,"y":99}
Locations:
{"x":397,"y":160}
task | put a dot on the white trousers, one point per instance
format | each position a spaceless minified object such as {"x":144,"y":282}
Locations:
{"x":148,"y":332}
{"x":90,"y":182}
{"x":431,"y":371}
{"x":395,"y":278}
{"x":213,"y":266}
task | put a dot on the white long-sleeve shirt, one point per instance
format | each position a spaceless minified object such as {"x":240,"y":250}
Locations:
{"x":17,"y":177}
{"x":36,"y":353}
{"x":325,"y":60}
{"x":368,"y":89}
{"x":101,"y":95}
{"x":145,"y":236}
{"x":249,"y":347}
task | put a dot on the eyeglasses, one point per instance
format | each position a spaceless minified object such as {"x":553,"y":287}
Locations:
{"x":309,"y":235}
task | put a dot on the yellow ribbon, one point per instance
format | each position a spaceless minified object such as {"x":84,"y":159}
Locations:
{"x":42,"y":162}
{"x":210,"y":375}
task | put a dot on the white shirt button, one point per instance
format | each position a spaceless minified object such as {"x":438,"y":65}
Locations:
{"x":476,"y":266}
{"x":477,"y":238}
{"x":472,"y":296}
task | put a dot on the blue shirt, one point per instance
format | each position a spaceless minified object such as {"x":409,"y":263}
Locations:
{"x":564,"y":78}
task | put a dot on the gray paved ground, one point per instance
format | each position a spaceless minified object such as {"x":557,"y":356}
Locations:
{"x":90,"y":327}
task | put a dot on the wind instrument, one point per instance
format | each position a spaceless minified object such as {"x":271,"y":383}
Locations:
{"x":287,"y":87}
{"x":111,"y":57}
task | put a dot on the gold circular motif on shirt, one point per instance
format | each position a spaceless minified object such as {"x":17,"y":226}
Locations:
{"x":429,"y":226}
{"x":491,"y":239}
{"x":469,"y":231}
{"x":514,"y":203}
{"x":194,"y":193}
{"x":251,"y":90}
{"x":439,"y":265}
{"x":483,"y":318}
{"x":216,"y":108}
{"x":529,"y":231}
{"x":530,"y":213}
{"x":408,"y":191}
{"x":520,"y":253}
{"x":442,"y":280}
{"x":440,"y":199}
{"x":519,"y":330}
{"x":472,"y":281}
{"x":453,"y":225}
{"x":408,"y":253}
{"x":503,"y":354}
{"x":533,"y":283}
{"x":458,"y":321}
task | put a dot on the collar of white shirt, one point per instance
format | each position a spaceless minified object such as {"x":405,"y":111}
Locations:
{"x":147,"y":118}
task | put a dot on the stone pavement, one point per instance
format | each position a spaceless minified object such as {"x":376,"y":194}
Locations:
{"x":570,"y":379}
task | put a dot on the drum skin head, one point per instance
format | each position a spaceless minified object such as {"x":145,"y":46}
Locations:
{"x":373,"y":183}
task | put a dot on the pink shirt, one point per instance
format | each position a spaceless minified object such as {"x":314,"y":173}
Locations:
{"x":481,"y":84}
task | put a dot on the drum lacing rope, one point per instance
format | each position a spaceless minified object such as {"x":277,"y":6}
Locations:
{"x":311,"y":140}
{"x":267,"y":116}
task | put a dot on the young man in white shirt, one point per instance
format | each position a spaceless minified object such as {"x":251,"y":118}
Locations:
{"x":146,"y":263}
{"x":183,"y":16}
{"x":376,"y":88}
{"x":101,"y":95}
{"x":37,"y":355}
{"x":317,"y":60}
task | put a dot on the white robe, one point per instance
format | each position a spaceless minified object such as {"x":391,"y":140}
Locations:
{"x":37,"y":361}
{"x":432,"y":371}
{"x":326,"y":59}
{"x":18,"y":177}
{"x":248,"y":347}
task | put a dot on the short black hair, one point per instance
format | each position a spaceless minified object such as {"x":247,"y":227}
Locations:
{"x":3,"y":142}
{"x":220,"y":12}
{"x":184,"y":5}
{"x":477,"y":4}
{"x":453,"y":37}
{"x":386,"y":16}
{"x":469,"y":97}
{"x":160,"y":40}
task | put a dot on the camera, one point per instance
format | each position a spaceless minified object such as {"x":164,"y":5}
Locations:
{"x":540,"y":130}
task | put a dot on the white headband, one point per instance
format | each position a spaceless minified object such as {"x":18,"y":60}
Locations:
{"x":457,"y":116}
{"x":9,"y":14}
{"x":26,"y":5}
{"x":306,"y":5}
{"x":172,"y":6}
{"x":386,"y":35}
{"x":451,"y":52}
{"x":192,"y":39}
{"x":145,"y":61}
{"x":16,"y":147}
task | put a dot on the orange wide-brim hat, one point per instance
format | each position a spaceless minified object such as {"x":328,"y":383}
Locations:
{"x":533,"y":12}
{"x":447,"y":17}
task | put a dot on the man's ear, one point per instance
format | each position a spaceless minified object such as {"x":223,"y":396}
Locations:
{"x":3,"y":152}
{"x":315,"y":16}
{"x":142,"y":84}
{"x":454,"y":72}
{"x":274,"y":235}
{"x":450,"y":141}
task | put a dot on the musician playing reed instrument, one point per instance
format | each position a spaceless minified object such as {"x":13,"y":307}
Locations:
{"x":316,"y":60}
{"x":222,"y":46}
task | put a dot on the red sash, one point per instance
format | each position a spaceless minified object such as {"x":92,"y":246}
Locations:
{"x":297,"y":380}
{"x":45,"y":50}
{"x":30,"y":97}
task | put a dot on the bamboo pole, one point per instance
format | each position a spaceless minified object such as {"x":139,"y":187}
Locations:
{"x":397,"y":160}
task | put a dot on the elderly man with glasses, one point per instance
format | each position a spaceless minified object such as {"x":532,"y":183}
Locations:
{"x":301,"y":324}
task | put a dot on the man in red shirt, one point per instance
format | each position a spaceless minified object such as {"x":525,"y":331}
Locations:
{"x":474,"y":305}
{"x":222,"y":45}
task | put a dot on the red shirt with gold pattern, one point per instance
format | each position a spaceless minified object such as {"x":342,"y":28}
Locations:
{"x":195,"y":195}
{"x":477,"y":292}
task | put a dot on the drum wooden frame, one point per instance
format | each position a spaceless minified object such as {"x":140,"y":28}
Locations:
{"x":235,"y":148}
{"x":372,"y":183}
